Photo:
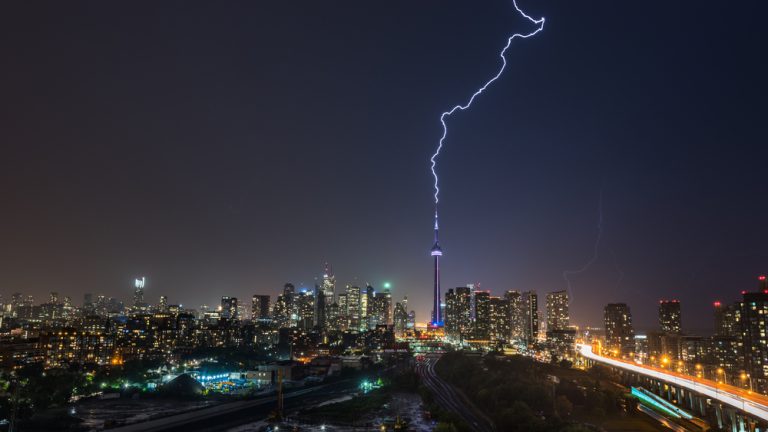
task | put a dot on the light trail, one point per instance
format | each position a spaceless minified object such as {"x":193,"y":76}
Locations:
{"x":749,"y":402}
{"x":540,"y":23}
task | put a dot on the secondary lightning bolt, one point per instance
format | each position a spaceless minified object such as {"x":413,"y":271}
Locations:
{"x":540,"y":23}
{"x":595,"y":254}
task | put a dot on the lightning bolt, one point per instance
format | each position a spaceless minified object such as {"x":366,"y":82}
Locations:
{"x":595,"y":255}
{"x":540,"y":23}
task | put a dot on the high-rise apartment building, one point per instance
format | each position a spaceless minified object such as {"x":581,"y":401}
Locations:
{"x":229,"y":308}
{"x":366,"y":307}
{"x":382,"y":309}
{"x":500,"y":319}
{"x":322,"y":308}
{"x":460,"y":314}
{"x":482,"y":327}
{"x":557,"y":311}
{"x":754,"y":335}
{"x":727,"y":319}
{"x":260,"y":305}
{"x":530,"y":303}
{"x":464,"y":311}
{"x":451,"y":318}
{"x":400,"y":317}
{"x":353,"y":308}
{"x":305,"y":309}
{"x":669,"y":316}
{"x":619,"y":333}
{"x":516,"y":315}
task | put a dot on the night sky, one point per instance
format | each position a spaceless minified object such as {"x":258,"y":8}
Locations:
{"x":225,"y":148}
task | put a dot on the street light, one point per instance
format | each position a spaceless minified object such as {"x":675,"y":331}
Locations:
{"x":745,"y":377}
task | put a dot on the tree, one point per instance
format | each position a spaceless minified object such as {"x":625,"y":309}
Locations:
{"x":563,"y":406}
{"x":445,"y":427}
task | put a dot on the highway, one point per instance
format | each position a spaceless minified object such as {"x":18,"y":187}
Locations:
{"x":661,"y":419}
{"x":450,"y":398}
{"x":745,"y":400}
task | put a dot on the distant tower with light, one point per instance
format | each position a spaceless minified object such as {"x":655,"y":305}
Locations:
{"x":437,"y":252}
{"x":138,"y":292}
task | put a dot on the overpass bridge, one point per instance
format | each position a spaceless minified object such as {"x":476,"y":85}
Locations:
{"x":728,"y":407}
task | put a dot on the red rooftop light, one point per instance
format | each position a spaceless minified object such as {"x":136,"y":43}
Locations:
{"x":761,"y":277}
{"x":717,"y":304}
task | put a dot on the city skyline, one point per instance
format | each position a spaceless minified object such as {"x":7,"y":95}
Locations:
{"x":667,"y":319}
{"x":211,"y":159}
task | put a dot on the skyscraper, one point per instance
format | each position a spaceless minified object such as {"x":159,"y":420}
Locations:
{"x":321,"y":309}
{"x":329,"y":284}
{"x":87,"y":301}
{"x":451,"y":318}
{"x":333,"y":320}
{"x":138,"y":292}
{"x":669,"y":316}
{"x":482,"y":330}
{"x":557,"y":311}
{"x":754,"y":328}
{"x":366,"y":306}
{"x":260,"y":308}
{"x":727,"y":319}
{"x":401,"y":317}
{"x":326,"y":297}
{"x":343,"y":312}
{"x":464,"y":311}
{"x":411,"y":319}
{"x":288,"y":309}
{"x":500,"y":319}
{"x":530,"y":301}
{"x":437,"y":252}
{"x":353,"y":307}
{"x":382,"y":308}
{"x":229,"y":307}
{"x":619,"y":333}
{"x":305,"y":307}
{"x":516,"y":314}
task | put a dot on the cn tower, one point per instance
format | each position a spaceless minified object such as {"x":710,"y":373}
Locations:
{"x":437,"y":252}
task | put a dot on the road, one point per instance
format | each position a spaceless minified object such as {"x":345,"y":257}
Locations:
{"x":230,"y":415}
{"x":745,"y":400}
{"x":661,"y":419}
{"x":449,"y":398}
